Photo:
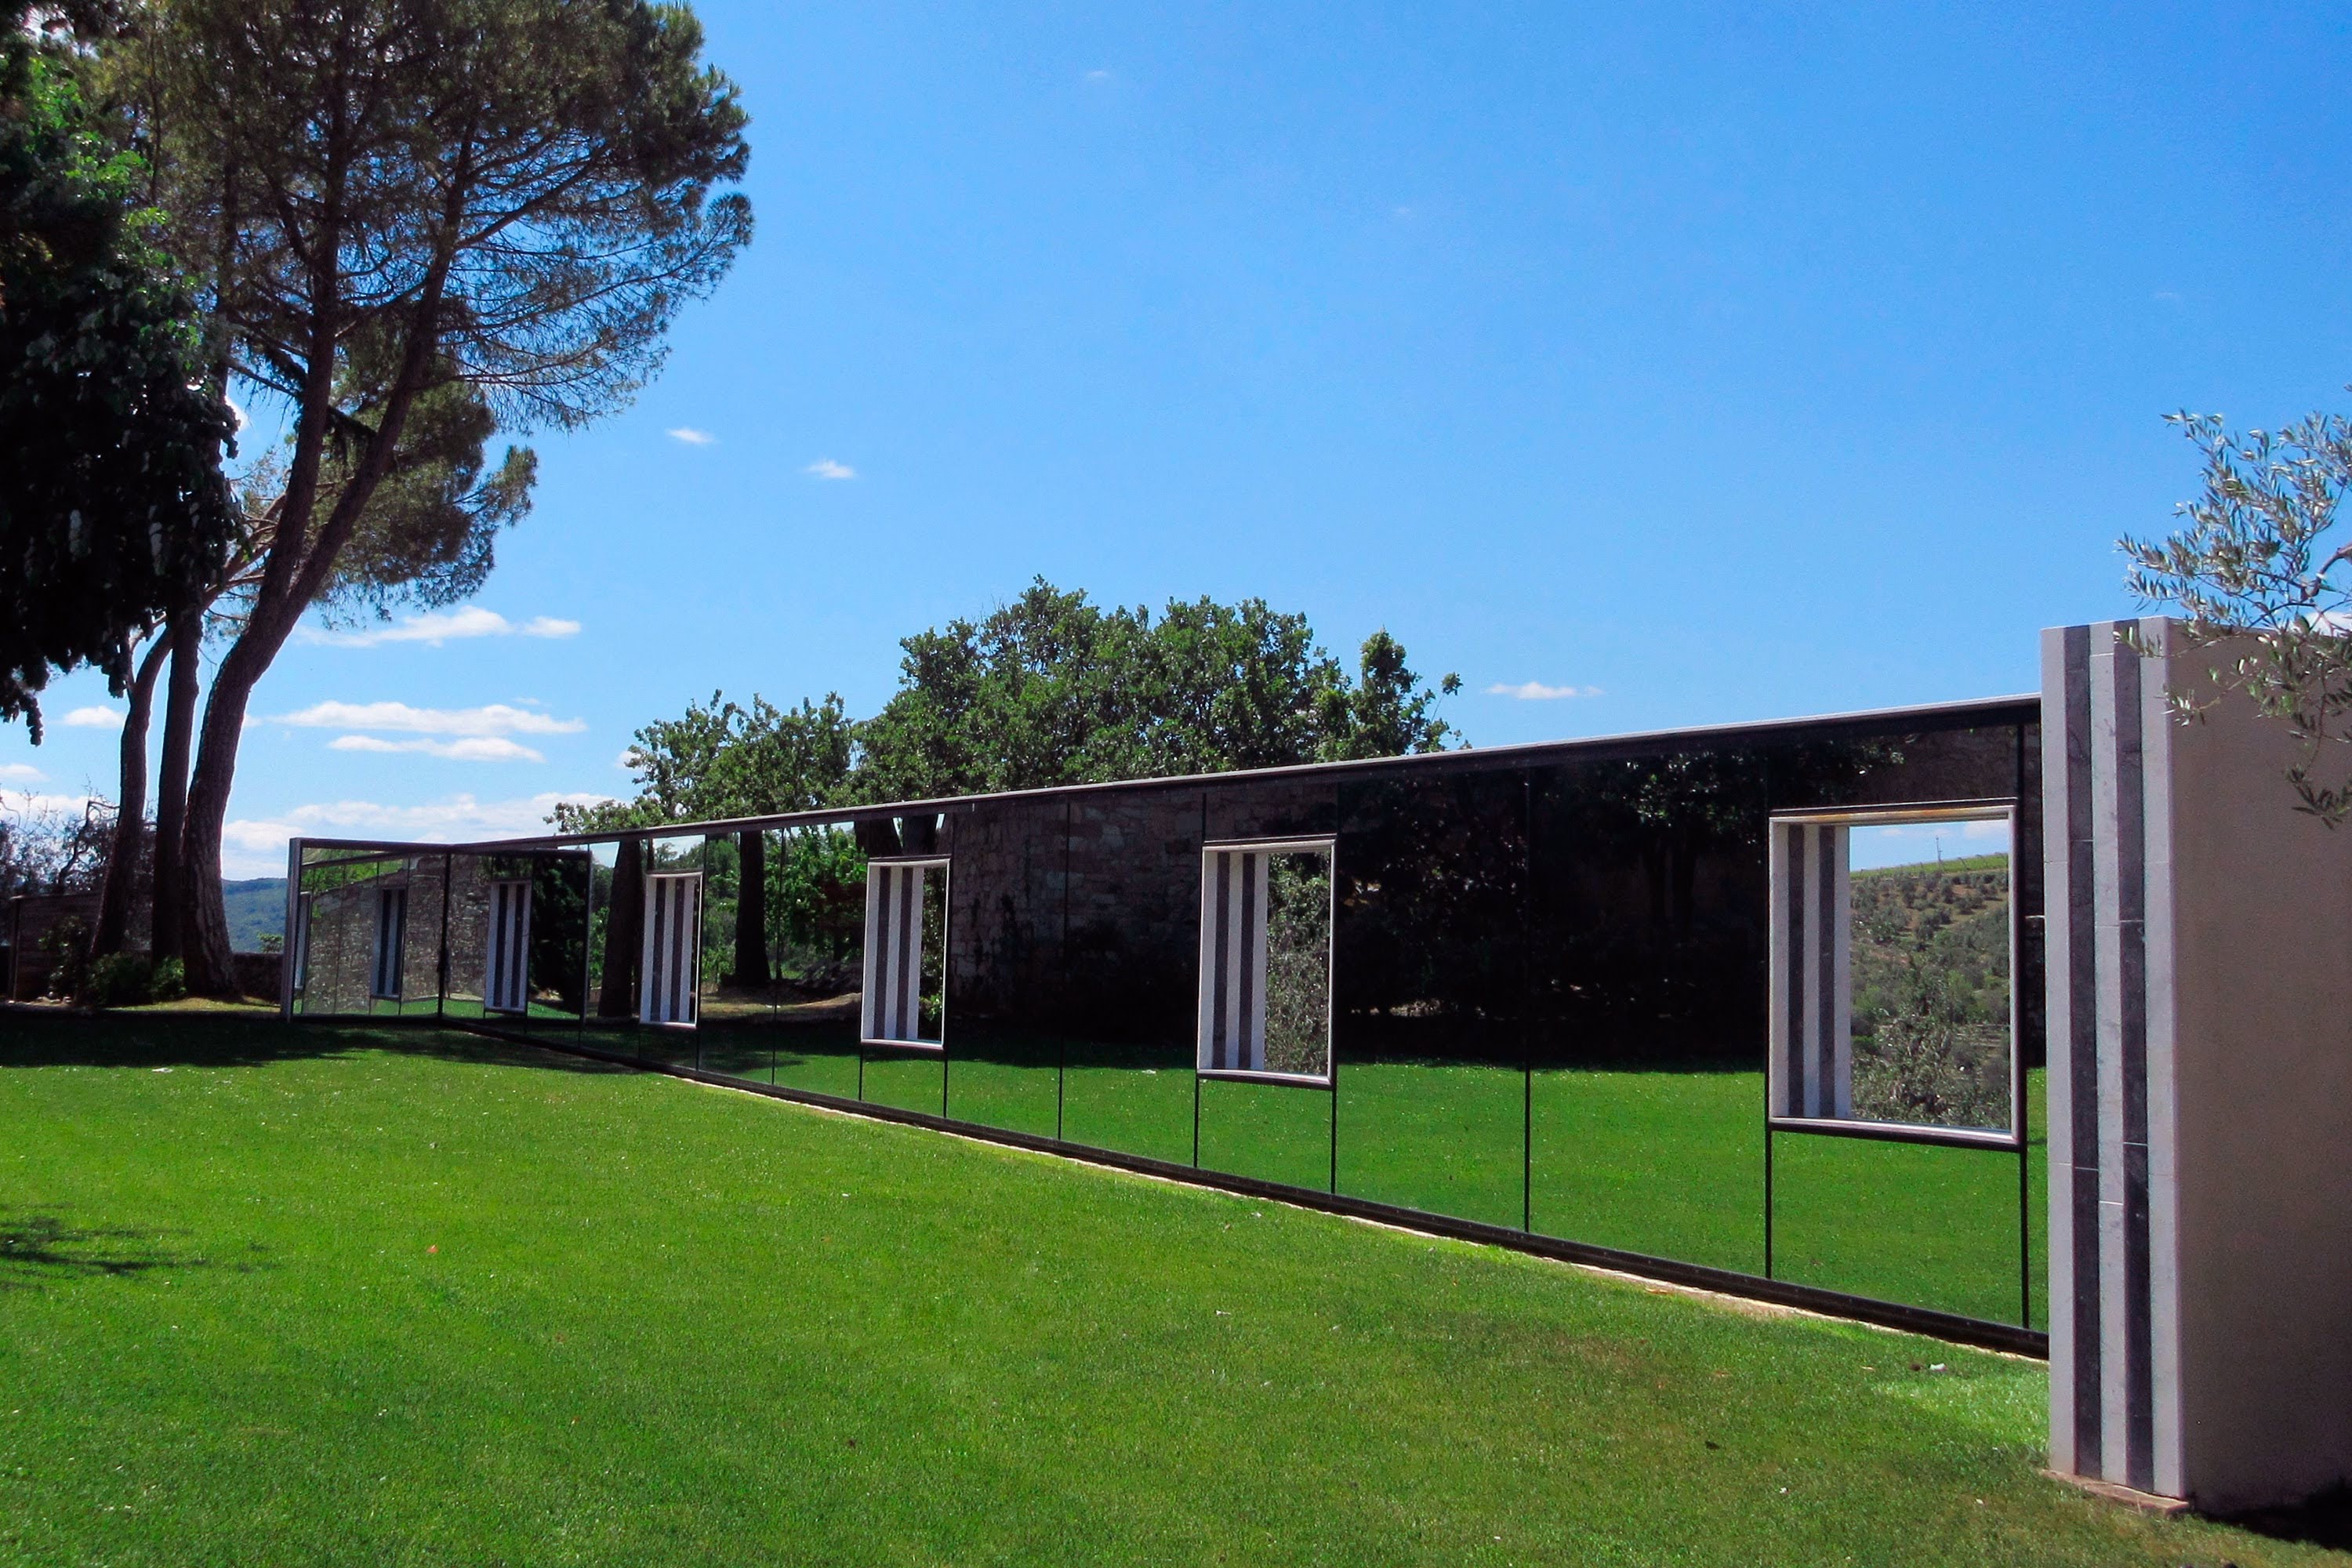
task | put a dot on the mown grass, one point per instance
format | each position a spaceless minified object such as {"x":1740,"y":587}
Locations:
{"x":332,"y":1295}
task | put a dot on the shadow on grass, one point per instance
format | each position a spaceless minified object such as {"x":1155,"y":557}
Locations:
{"x":40,"y":1249}
{"x":2323,"y":1520}
{"x":42,"y":1040}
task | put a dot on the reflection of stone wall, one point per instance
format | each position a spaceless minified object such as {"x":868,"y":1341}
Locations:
{"x":1122,"y":869}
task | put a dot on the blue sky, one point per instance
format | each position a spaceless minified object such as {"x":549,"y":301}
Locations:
{"x":1702,"y":364}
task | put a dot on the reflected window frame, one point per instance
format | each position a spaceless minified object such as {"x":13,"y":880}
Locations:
{"x":1211,"y":1004}
{"x":883,"y":956}
{"x":1791,"y":1007}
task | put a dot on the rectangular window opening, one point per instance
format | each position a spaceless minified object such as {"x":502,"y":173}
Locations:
{"x":1265,"y":961}
{"x":903,"y":999}
{"x":671,"y":955}
{"x":1892,"y":947}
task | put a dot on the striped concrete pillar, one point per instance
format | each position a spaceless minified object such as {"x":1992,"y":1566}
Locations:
{"x":1812,"y":1027}
{"x":2199,"y":1086}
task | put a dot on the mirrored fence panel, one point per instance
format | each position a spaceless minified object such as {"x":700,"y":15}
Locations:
{"x":518,"y":939}
{"x":671,"y":950}
{"x":615,"y":893}
{"x":1645,"y":939}
{"x":1005,"y":966}
{"x":816,"y":922}
{"x":1127,"y":1005}
{"x":368,"y":935}
{"x":1430,"y":980}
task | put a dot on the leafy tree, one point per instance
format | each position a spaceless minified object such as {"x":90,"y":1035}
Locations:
{"x":111,"y":497}
{"x":2266,"y":584}
{"x":723,"y":760}
{"x":1052,"y":689}
{"x":409,"y":211}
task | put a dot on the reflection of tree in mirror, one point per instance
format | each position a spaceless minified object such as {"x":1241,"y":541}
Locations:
{"x":932,"y":1001}
{"x":817,"y":911}
{"x":1931,"y":1025}
{"x":1299,"y":965}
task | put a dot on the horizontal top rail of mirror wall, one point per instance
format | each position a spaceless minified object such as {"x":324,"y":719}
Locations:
{"x":1977,"y":712}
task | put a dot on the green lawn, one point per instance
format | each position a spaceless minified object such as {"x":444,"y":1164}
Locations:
{"x":328,"y":1295}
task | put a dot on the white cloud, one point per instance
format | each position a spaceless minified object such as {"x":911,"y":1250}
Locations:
{"x":399,"y":718}
{"x":693,"y":437}
{"x":1098,"y":75}
{"x":437,"y":627}
{"x":472,"y":749}
{"x":826,"y":469}
{"x":93,"y":719}
{"x":20,"y":773}
{"x":32,"y":803}
{"x":1537,"y":691}
{"x":253,"y":847}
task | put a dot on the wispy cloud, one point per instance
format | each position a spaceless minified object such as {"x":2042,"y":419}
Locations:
{"x":20,"y":773}
{"x":1537,"y":691}
{"x":18,"y":803}
{"x":692,"y":437}
{"x":400,"y":719}
{"x":826,"y":469}
{"x":471,"y":749}
{"x":435,"y":627}
{"x":1098,"y":75}
{"x":93,"y":719}
{"x":256,"y":848}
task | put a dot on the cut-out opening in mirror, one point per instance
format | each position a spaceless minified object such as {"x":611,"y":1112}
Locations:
{"x":1892,"y":947}
{"x":903,"y":999}
{"x":1266,"y":962}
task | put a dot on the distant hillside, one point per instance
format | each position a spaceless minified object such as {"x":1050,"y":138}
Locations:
{"x":257,"y":907}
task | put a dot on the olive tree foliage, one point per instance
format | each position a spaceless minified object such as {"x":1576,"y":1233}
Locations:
{"x":2264,"y":582}
{"x":415,"y":220}
{"x":111,"y":491}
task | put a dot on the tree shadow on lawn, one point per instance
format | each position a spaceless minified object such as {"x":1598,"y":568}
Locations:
{"x":37,"y":1040}
{"x":2321,"y":1520}
{"x":38,"y":1250}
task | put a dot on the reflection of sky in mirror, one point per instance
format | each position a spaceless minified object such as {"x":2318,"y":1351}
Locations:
{"x":1914,"y":843}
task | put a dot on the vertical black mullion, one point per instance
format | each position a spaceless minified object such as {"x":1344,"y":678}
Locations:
{"x":1527,"y":1003}
{"x":1062,"y":1034}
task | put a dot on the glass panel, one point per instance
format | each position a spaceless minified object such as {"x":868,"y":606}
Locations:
{"x":737,"y":1017}
{"x":1915,"y":1223}
{"x":1128,"y":1003}
{"x":1429,"y":977}
{"x":1005,"y":966}
{"x":1274,"y":1131}
{"x":616,"y":898}
{"x":372,"y":943}
{"x":532,"y":962}
{"x":1647,"y":933}
{"x":816,"y":940}
{"x":670,"y":924}
{"x":469,"y":930}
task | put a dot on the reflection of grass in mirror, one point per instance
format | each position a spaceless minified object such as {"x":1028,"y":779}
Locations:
{"x":1299,"y":965}
{"x":1931,"y":992}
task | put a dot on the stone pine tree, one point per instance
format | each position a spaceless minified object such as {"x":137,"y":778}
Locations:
{"x":110,"y":431}
{"x":392,"y":199}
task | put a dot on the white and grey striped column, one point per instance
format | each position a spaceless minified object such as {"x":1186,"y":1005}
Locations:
{"x":672,"y":959}
{"x":1232,"y":1034}
{"x":506,"y":981}
{"x":2114,"y":1388}
{"x":1811,"y":1029}
{"x":892,"y":1006}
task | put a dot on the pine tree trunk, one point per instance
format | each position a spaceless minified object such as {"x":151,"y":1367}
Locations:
{"x":172,"y":786}
{"x":204,"y":916}
{"x":121,"y":893}
{"x":751,"y":911}
{"x":624,"y":930}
